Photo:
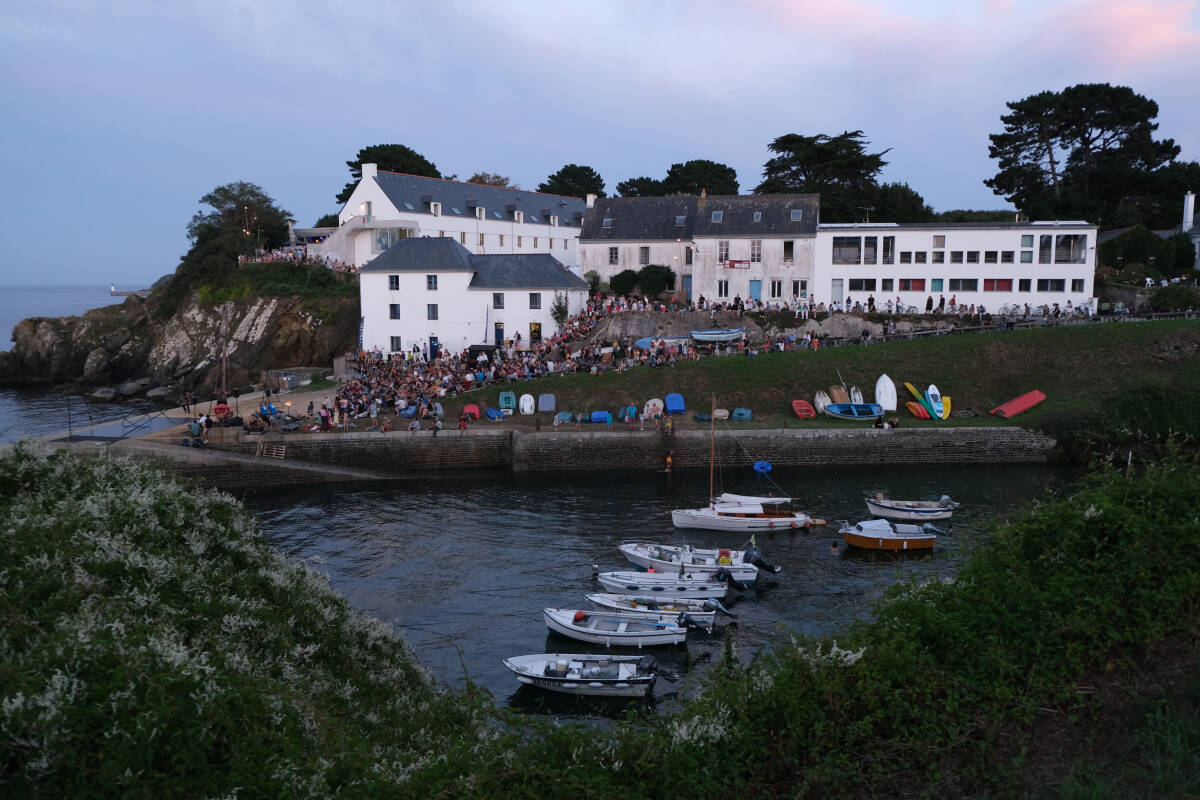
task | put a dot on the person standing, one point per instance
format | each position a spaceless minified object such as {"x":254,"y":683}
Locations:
{"x":670,"y":460}
{"x":929,"y":304}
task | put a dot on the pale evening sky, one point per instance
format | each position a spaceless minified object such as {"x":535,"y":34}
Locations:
{"x":117,"y":117}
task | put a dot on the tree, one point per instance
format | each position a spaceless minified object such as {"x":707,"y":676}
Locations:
{"x":654,"y":279}
{"x":693,"y":176}
{"x":560,"y":312}
{"x":1184,"y":260}
{"x":389,"y":158}
{"x":491,"y":179}
{"x":968,"y":215}
{"x":640,"y":187}
{"x":623,"y":282}
{"x":839,"y":168}
{"x":897,"y":202}
{"x":242,"y":213}
{"x":327,"y":221}
{"x":1139,"y":245}
{"x":574,"y":180}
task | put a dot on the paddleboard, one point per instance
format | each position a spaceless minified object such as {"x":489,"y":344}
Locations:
{"x":1019,"y":404}
{"x":945,"y":406}
{"x":526,"y":404}
{"x":933,"y":402}
{"x":838,"y":394}
{"x":820,"y":400}
{"x":920,"y":397}
{"x":917,"y":409}
{"x":856,"y":395}
{"x":803,"y":409}
{"x":885,"y":393}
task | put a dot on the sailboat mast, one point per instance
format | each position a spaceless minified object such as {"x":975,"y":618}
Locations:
{"x":712,"y":439}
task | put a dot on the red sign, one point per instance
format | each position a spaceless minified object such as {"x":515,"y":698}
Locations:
{"x":737,"y":265}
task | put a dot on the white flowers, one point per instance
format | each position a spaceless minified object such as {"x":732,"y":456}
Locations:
{"x":835,"y":656}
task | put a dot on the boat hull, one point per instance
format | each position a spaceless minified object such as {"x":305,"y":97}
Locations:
{"x":854,"y":411}
{"x":706,"y":519}
{"x":586,"y":674}
{"x":908,"y":510}
{"x":632,"y":604}
{"x":1019,"y":404}
{"x":718,"y":334}
{"x":615,"y":629}
{"x":741,"y":572}
{"x":884,"y":543}
{"x":650,"y":584}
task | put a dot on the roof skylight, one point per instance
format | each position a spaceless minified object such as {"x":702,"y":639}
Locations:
{"x":718,"y":216}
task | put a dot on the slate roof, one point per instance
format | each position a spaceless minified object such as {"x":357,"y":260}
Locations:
{"x":435,"y":252}
{"x":654,"y":218}
{"x":498,"y":271}
{"x":412,"y":194}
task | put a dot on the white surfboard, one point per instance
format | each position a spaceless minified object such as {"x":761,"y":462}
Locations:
{"x":820,"y":400}
{"x":935,"y":400}
{"x":885,"y":393}
{"x":526,"y":404}
{"x":855,"y":395}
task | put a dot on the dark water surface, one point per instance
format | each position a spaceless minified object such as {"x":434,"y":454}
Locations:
{"x":464,"y":565}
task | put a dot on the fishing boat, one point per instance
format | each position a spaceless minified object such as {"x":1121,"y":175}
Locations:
{"x":616,"y":627}
{"x":595,"y":675}
{"x":855,"y":411}
{"x":667,"y":584}
{"x":882,"y":506}
{"x":879,"y":534}
{"x":719,"y":334}
{"x":703,"y":612}
{"x":743,"y":565}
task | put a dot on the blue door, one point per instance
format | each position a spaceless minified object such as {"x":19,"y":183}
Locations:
{"x":499,"y":338}
{"x":687,"y":288}
{"x":756,"y":290}
{"x":433,"y":348}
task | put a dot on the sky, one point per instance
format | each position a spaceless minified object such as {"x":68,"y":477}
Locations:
{"x":115,"y":118}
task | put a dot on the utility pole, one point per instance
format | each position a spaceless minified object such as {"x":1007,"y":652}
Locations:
{"x":866,"y":212}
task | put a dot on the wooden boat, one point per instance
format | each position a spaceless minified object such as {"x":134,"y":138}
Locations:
{"x":665,"y":584}
{"x":743,"y":565}
{"x":854,"y":411}
{"x":838,"y":394}
{"x":917,"y":409}
{"x":704,"y":612}
{"x":820,"y":400}
{"x":615,"y":627}
{"x":803,"y":409}
{"x":1019,"y":404}
{"x":885,"y":393}
{"x":882,"y":506}
{"x":879,"y":534}
{"x":582,"y":674}
{"x":856,"y":395}
{"x":920,"y":398}
{"x":933,"y":402}
{"x":718,"y":334}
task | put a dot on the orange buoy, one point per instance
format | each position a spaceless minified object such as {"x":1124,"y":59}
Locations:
{"x":580,"y":616}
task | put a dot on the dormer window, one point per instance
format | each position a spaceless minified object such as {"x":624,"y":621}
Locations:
{"x":607,"y":223}
{"x":758,"y":216}
{"x":797,"y":214}
{"x":553,"y":220}
{"x":718,"y":216}
{"x":435,"y":209}
{"x":480,"y":212}
{"x":519,"y":216}
{"x":679,"y":221}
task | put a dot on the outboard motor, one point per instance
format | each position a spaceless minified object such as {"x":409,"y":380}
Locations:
{"x":713,"y":604}
{"x":946,"y":502}
{"x":752,"y":556}
{"x":723,"y":575}
{"x":929,"y":527}
{"x":648,"y":665}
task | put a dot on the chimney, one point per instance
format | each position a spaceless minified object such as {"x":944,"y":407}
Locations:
{"x":703,"y":198}
{"x":370,"y":170}
{"x":591,"y":200}
{"x":1189,"y":212}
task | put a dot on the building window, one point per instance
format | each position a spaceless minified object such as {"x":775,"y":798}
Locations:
{"x":388,"y":237}
{"x":687,"y":255}
{"x":964,"y":284}
{"x":939,"y":257}
{"x":722,"y":288}
{"x":905,"y":256}
{"x":500,"y":236}
{"x":431,"y":283}
{"x":1070,"y":248}
{"x":535,"y":300}
{"x":393,"y":311}
{"x":939,"y":241}
{"x":613,"y":255}
{"x":1006,"y":256}
{"x":972,"y":256}
{"x":991,"y":257}
{"x":885,"y":284}
{"x":442,"y":234}
{"x":912,"y":284}
{"x":956,"y":256}
{"x":789,"y":251}
{"x":518,"y":216}
{"x":847,"y":249}
{"x":520,"y":241}
{"x":481,"y":240}
{"x":644,"y":255}
{"x":1044,"y":247}
{"x":870,"y":251}
{"x":462,"y":238}
{"x":393,"y":283}
{"x":758,"y":216}
{"x":756,"y":251}
{"x":862,"y":284}
{"x":799,"y":288}
{"x":535,"y":242}
{"x":722,"y":250}
{"x":607,"y":223}
{"x":718,"y":216}
{"x":497,"y":299}
{"x":1051,"y":284}
{"x":1077,"y":284}
{"x":776,"y":289}
{"x":935,"y":284}
{"x":919,"y":257}
{"x":1026,"y":256}
{"x":431,"y":311}
{"x":435,"y":209}
{"x":1027,"y":240}
{"x":1024,"y":283}
{"x":397,"y":345}
{"x":553,"y":220}
{"x":797,"y":215}
{"x":480,"y":212}
{"x":679,"y":220}
{"x":564,"y":244}
{"x":997,"y":284}
{"x":889,"y":250}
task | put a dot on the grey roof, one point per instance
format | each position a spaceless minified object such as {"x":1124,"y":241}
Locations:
{"x":528,"y":271}
{"x":655,"y":218}
{"x":436,"y":253}
{"x":884,"y":227}
{"x":413,"y":193}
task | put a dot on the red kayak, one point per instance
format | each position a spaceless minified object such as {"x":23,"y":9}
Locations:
{"x":917,"y":410}
{"x":804,"y":409}
{"x":1019,"y":404}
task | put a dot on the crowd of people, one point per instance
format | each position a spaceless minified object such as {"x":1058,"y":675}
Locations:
{"x":297,"y":255}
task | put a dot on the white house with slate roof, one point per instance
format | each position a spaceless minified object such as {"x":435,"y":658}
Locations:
{"x":433,"y":293}
{"x":719,"y":247}
{"x":387,"y":207}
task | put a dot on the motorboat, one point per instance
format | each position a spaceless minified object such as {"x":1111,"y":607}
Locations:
{"x":743,"y":565}
{"x":882,"y":506}
{"x":879,"y":534}
{"x":667,"y":584}
{"x":719,"y":334}
{"x":607,"y":627}
{"x":702,"y":612}
{"x":582,"y":674}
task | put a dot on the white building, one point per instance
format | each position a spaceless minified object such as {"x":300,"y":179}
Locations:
{"x":989,"y":264}
{"x":720,"y":247}
{"x":386,"y":207}
{"x":1189,"y":227}
{"x":433,"y":293}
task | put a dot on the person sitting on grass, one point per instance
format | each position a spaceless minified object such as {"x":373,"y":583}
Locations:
{"x":415,"y":425}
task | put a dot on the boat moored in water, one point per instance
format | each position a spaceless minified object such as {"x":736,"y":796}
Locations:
{"x":703,"y":612}
{"x":667,"y":584}
{"x":882,"y":506}
{"x":607,"y":627}
{"x":743,"y":514}
{"x":742,"y":565}
{"x":583,"y":674}
{"x":879,"y":534}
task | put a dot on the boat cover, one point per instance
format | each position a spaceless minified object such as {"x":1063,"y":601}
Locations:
{"x":602,"y":416}
{"x":494,"y":414}
{"x":564,"y":416}
{"x":508,"y":400}
{"x":407,"y":412}
{"x":675,"y":404}
{"x":526,"y":404}
{"x":545,"y":402}
{"x":745,"y":499}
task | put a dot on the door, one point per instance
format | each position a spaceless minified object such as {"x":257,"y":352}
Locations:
{"x":835,"y":291}
{"x":433,"y":348}
{"x":687,"y":288}
{"x":499,"y":337}
{"x":756,"y":290}
{"x":535,"y":333}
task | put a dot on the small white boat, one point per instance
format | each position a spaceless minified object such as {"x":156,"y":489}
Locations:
{"x":879,"y":534}
{"x":743,"y":565}
{"x":608,"y":627}
{"x":702,"y":612}
{"x":662,"y":584}
{"x":595,"y":675}
{"x":882,"y":506}
{"x":820,"y":400}
{"x":743,"y":514}
{"x":856,"y":395}
{"x":719,"y":334}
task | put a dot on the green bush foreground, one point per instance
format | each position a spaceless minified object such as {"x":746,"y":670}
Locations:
{"x":155,"y":645}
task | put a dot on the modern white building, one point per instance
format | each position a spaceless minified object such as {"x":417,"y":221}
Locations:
{"x":989,"y":264}
{"x":720,"y":247}
{"x":386,"y":207}
{"x":433,"y":293}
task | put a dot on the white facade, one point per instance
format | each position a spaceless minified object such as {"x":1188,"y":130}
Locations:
{"x":516,"y":221}
{"x":1039,"y":263}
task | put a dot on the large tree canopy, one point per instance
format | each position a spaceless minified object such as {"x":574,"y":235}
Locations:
{"x":640,"y":187}
{"x":898,"y":202}
{"x":491,"y":179}
{"x":389,"y":158}
{"x":688,"y":178}
{"x":838,"y":167}
{"x":574,"y":180}
{"x":1087,"y":151}
{"x":243,"y":213}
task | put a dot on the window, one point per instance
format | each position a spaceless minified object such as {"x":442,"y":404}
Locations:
{"x":723,"y":250}
{"x":972,"y":256}
{"x":905,"y":256}
{"x":435,"y":209}
{"x":919,"y":257}
{"x":520,"y":241}
{"x":889,"y":250}
{"x":939,"y":241}
{"x":885,"y":285}
{"x":991,"y":257}
{"x":687,"y":255}
{"x":535,"y":242}
{"x":997,"y":284}
{"x":397,"y":345}
{"x":519,"y":216}
{"x":679,"y":220}
{"x":442,"y":234}
{"x":387,"y":237}
{"x":1051,"y":284}
{"x":1023,"y":284}
{"x":393,"y":283}
{"x":1006,"y":256}
{"x":718,"y":216}
{"x":964,"y":285}
{"x":758,"y":216}
{"x":789,"y":251}
{"x":1027,"y":240}
{"x":797,"y":214}
{"x":613,"y":255}
{"x":776,"y":289}
{"x":497,"y":299}
{"x":1070,"y":248}
{"x":756,"y":251}
{"x":912,"y":284}
{"x":956,"y":256}
{"x":1044,"y":247}
{"x":935,"y":284}
{"x":500,"y":236}
{"x":393,"y":311}
{"x":553,"y":220}
{"x":870,"y":251}
{"x":862,"y":284}
{"x":1026,"y":256}
{"x":535,"y":332}
{"x":480,"y":212}
{"x":462,"y":238}
{"x":847,"y":249}
{"x":644,"y":255}
{"x":1077,"y":284}
{"x":607,"y":223}
{"x":455,"y":210}
{"x":535,"y":300}
{"x":799,"y":288}
{"x":564,"y":244}
{"x":431,"y":283}
{"x":431,"y":311}
{"x":939,"y":257}
{"x":481,"y":240}
{"x":722,"y":288}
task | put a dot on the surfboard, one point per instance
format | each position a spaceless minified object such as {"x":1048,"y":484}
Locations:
{"x":933,"y":402}
{"x":945,"y":406}
{"x":885,"y":393}
{"x":820,"y":400}
{"x":920,"y":397}
{"x":838,"y":394}
{"x":1019,"y":404}
{"x":917,"y":409}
